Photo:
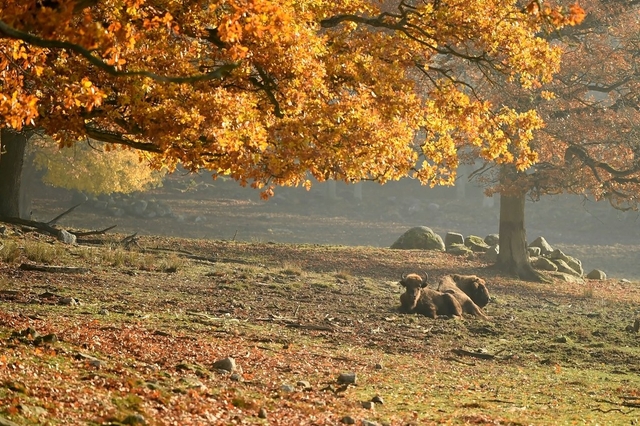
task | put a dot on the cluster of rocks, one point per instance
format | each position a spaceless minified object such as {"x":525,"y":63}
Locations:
{"x":119,"y":205}
{"x":541,"y":254}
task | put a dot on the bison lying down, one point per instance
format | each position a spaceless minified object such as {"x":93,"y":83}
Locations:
{"x":456,"y":295}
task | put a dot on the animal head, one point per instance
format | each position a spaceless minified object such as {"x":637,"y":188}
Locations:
{"x":474,"y":286}
{"x":413,"y":281}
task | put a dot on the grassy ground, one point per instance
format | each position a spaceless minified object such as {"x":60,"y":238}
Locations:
{"x":133,"y":336}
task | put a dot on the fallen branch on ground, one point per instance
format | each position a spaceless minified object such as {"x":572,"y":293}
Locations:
{"x":49,"y":268}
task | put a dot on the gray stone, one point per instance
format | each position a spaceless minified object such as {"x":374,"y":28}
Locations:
{"x":544,"y":264}
{"x":492,"y":240}
{"x":452,"y":238}
{"x":545,"y":247}
{"x":287,"y":388}
{"x":348,"y":420}
{"x":347,"y":378}
{"x":66,"y":237}
{"x":597,"y":274}
{"x":420,"y":237}
{"x":368,"y":405}
{"x":565,"y":268}
{"x":226,"y":364}
{"x":491,"y":255}
{"x":476,"y":244}
{"x":459,"y":250}
{"x":533,"y":251}
{"x":575,"y":264}
{"x":569,"y":278}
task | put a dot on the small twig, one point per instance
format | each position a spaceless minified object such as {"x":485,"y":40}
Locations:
{"x":55,"y":219}
{"x":234,"y":235}
{"x":620,"y":410}
{"x":295,"y":313}
{"x":459,"y":361}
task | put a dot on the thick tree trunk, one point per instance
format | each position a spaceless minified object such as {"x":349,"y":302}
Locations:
{"x":13,"y":145}
{"x":513,"y":255}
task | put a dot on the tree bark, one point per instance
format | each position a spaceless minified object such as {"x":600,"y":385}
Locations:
{"x":513,"y":255}
{"x":12,"y":148}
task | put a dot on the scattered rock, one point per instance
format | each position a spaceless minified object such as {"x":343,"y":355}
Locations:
{"x":304,"y":385}
{"x":476,"y":244}
{"x":347,"y":378}
{"x":47,"y":339}
{"x":565,"y":268}
{"x":420,"y":237}
{"x":377,"y":399}
{"x":262,"y":413}
{"x":236,"y":377}
{"x":491,"y":255}
{"x":597,"y":274}
{"x":453,"y":238}
{"x":533,"y":251}
{"x":90,"y":360}
{"x":68,"y":301}
{"x":226,"y":364}
{"x":348,"y":420}
{"x":66,"y":237}
{"x":459,"y":250}
{"x":287,"y":388}
{"x":368,"y":405}
{"x":134,"y":419}
{"x":369,"y":423}
{"x":545,"y":247}
{"x":492,"y":240}
{"x":544,"y":264}
{"x":378,"y":366}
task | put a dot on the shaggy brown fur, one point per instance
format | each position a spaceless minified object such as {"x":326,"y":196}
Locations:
{"x":426,"y":301}
{"x":474,"y":287}
{"x":448,"y":285}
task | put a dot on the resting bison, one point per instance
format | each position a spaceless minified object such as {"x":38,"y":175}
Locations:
{"x":421,"y":300}
{"x":474,"y":287}
{"x":465,"y":289}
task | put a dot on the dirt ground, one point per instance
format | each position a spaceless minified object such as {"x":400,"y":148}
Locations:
{"x":137,"y":334}
{"x":595,"y":233}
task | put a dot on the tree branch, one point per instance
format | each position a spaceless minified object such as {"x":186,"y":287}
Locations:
{"x":10,"y":32}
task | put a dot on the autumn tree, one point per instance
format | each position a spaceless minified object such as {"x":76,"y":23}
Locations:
{"x":268,"y":90}
{"x":590,"y":143}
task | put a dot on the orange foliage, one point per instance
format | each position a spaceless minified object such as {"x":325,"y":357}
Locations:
{"x":267,"y":91}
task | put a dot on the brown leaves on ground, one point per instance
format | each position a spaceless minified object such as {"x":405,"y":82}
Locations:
{"x":141,"y":344}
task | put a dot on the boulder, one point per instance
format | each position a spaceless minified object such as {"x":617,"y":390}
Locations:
{"x":476,"y":244}
{"x":545,"y":247}
{"x":492,"y":239}
{"x":491,"y":255}
{"x":420,"y":237}
{"x":453,"y":238}
{"x":543,"y":263}
{"x":533,"y":251}
{"x":565,"y":268}
{"x":597,"y":274}
{"x":459,"y":250}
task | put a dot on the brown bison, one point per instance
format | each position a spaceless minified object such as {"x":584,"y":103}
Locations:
{"x":466,"y":289}
{"x":426,"y":301}
{"x":474,"y":287}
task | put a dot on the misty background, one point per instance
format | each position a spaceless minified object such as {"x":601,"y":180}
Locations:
{"x":336,"y":213}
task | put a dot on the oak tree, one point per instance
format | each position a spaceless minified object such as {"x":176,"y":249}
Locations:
{"x":591,"y":111}
{"x":267,"y":91}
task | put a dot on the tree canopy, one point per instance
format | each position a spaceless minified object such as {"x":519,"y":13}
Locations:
{"x":267,"y":90}
{"x":590,"y":144}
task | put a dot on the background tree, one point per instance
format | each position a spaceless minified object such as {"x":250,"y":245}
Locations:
{"x":592,"y":121}
{"x":94,"y":169}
